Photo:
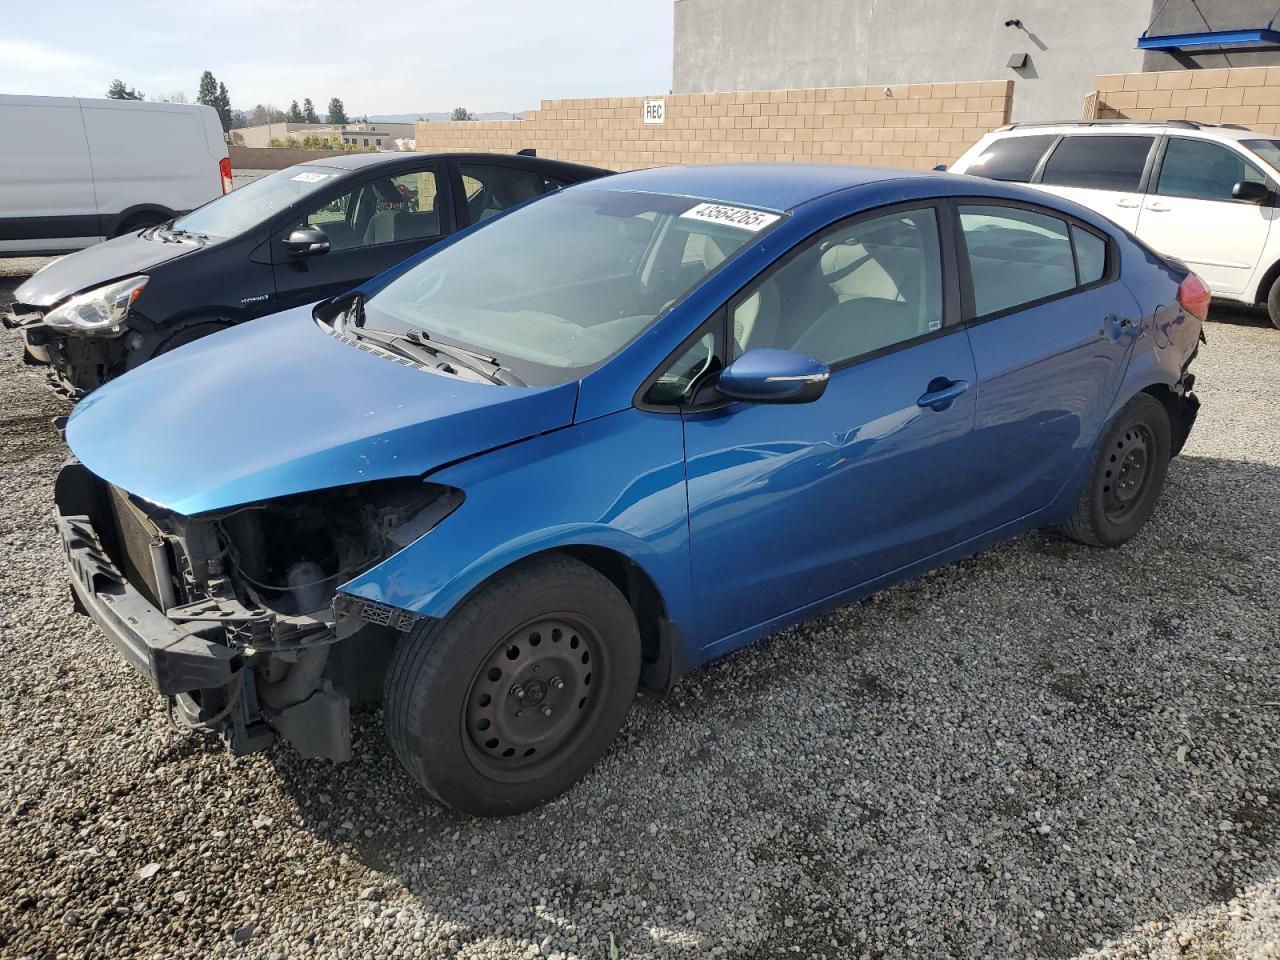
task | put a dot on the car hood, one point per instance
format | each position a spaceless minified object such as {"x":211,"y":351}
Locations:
{"x":279,"y":406}
{"x":96,"y":265}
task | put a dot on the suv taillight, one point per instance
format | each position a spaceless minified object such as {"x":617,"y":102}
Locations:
{"x":1194,"y":296}
{"x":224,"y":168}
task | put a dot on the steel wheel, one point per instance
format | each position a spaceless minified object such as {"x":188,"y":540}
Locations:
{"x":1127,"y":472}
{"x":532,"y":696}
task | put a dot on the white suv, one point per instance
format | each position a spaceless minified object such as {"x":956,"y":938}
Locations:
{"x":1205,"y":194}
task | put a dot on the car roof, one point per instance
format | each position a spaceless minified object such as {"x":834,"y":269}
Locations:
{"x":360,"y":161}
{"x":1094,"y":128}
{"x":765,"y":186}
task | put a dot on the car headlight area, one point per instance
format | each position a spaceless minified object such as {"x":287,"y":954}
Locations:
{"x":100,"y":312}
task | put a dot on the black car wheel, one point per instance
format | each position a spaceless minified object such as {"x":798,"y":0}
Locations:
{"x":1128,"y":474}
{"x":515,"y":696}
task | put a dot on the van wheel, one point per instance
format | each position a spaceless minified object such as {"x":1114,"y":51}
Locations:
{"x":1129,"y":469}
{"x":138,"y":223}
{"x":1273,"y":303}
{"x":513,"y":697}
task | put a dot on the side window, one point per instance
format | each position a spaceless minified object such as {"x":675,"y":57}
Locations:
{"x":1018,"y":256}
{"x":865,"y":286}
{"x":1011,"y":158}
{"x":674,"y":384}
{"x":1091,"y":255}
{"x":491,"y":189}
{"x":1202,"y":170}
{"x":1098,"y":162}
{"x":388,"y":210}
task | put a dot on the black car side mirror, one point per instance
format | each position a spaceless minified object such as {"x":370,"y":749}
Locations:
{"x":307,"y":242}
{"x":1251,"y":191}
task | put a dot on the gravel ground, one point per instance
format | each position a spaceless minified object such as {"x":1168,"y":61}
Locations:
{"x":1046,"y":751}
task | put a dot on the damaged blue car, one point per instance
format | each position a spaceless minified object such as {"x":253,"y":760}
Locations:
{"x":610,"y":436}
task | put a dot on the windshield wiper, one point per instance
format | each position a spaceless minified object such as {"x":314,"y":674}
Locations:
{"x":411,"y":346}
{"x":179,"y":232}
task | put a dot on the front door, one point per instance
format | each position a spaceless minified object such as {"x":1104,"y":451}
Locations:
{"x":1101,"y":172}
{"x":1189,"y":213}
{"x":792,"y":504}
{"x":1051,"y":328}
{"x":371,"y":228}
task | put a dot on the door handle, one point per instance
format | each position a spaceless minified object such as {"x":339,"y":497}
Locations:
{"x":1127,"y":204}
{"x":1157,"y":208}
{"x":942,"y":393}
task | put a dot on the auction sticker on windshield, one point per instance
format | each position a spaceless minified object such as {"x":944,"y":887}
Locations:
{"x":308,"y":176}
{"x":741,"y":217}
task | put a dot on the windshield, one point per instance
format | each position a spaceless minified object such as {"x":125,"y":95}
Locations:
{"x":253,"y":203}
{"x":568,"y":281}
{"x":1268,"y":150}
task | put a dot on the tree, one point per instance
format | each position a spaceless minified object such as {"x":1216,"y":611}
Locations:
{"x":337,"y":113}
{"x":309,"y":114}
{"x":461,"y":113}
{"x":223,"y":106}
{"x":118,"y":91}
{"x":208,"y":93}
{"x":294,"y":114}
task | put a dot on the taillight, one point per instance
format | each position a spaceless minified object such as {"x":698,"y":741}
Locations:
{"x":224,"y":168}
{"x":1194,"y":296}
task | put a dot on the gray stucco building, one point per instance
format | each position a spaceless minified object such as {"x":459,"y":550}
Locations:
{"x":1051,"y":49}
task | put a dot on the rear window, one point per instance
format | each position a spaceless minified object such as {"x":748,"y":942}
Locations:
{"x":1098,"y":163}
{"x":1011,"y":158}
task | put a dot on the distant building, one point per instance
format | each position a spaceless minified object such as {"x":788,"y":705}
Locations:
{"x":376,"y":136}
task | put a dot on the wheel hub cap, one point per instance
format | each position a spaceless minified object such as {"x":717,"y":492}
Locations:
{"x":531,"y":692}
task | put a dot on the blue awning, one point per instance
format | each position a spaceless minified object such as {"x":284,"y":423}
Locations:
{"x":1259,"y":37}
{"x":1246,"y":37}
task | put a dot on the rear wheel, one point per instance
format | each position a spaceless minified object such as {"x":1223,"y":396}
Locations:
{"x":140,"y":222}
{"x":1128,"y":474}
{"x":1273,"y":302}
{"x":515,"y":696}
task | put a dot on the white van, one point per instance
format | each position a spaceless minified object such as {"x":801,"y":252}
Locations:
{"x":73,"y":172}
{"x":1203,"y":193}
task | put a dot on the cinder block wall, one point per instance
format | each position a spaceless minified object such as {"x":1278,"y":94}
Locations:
{"x":903,"y":125}
{"x":1245,"y":95}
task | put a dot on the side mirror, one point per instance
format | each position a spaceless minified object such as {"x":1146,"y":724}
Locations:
{"x":1251,"y":191}
{"x":307,"y":242}
{"x":774,"y":376}
{"x":941,"y":168}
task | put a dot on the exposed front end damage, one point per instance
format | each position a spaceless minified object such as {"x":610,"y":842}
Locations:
{"x":232,"y":615}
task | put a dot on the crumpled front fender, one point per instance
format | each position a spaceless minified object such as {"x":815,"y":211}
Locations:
{"x":616,"y":482}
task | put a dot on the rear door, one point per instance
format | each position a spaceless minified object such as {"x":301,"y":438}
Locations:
{"x":488,"y":188}
{"x":1051,"y":328}
{"x":46,"y":184}
{"x":376,"y":223}
{"x":1189,"y":212}
{"x":1104,"y":172}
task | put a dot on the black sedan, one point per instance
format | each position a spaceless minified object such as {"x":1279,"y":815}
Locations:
{"x":299,"y":235}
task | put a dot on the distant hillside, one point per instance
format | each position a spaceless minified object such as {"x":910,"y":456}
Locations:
{"x":436,"y":117}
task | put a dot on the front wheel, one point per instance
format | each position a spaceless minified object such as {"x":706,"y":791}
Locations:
{"x":1128,"y":474}
{"x":513,"y":697}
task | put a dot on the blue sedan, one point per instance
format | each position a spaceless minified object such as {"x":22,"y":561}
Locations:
{"x":606,"y":437}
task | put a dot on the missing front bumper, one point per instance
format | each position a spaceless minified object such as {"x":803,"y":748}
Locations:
{"x":216,"y":683}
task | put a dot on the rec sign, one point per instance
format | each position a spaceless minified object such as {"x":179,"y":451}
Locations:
{"x":655,"y":111}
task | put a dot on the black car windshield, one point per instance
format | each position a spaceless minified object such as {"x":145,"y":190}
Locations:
{"x":566,"y":282}
{"x":248,"y":206}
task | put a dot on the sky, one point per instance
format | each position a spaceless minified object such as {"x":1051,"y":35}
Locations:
{"x":378,"y":56}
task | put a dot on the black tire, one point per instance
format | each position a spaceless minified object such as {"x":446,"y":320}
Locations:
{"x":188,"y":334}
{"x":1273,"y":303}
{"x":1129,"y":470}
{"x":471,"y":703}
{"x":140,"y":222}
